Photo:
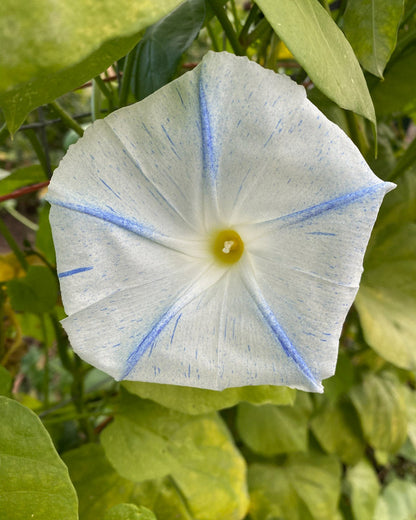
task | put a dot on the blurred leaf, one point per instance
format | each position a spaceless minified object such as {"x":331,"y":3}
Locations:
{"x":344,"y":378}
{"x":5,"y":381}
{"x":397,"y":502}
{"x":37,"y":292}
{"x":338,"y":431}
{"x":159,"y":51}
{"x":364,"y":489}
{"x":397,"y":92}
{"x":22,"y":177}
{"x":332,"y":111}
{"x":386,"y":301}
{"x":270,"y":429}
{"x":129,"y":512}
{"x":195,"y":401}
{"x":410,"y":398}
{"x":34,"y":482}
{"x":44,"y":241}
{"x":304,"y":487}
{"x":149,"y":441}
{"x":323,"y":51}
{"x":100,"y":487}
{"x":371,"y":27}
{"x":49,"y":48}
{"x":381,"y":407}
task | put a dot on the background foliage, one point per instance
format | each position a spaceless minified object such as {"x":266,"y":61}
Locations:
{"x":75,"y":444}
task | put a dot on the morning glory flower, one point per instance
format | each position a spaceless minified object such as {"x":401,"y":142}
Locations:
{"x":212,"y":235}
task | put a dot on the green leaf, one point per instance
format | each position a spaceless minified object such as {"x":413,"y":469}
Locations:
{"x":5,"y":381}
{"x":34,"y":482}
{"x":48,"y":48}
{"x":149,"y":441}
{"x":129,"y":512}
{"x":270,"y":429}
{"x":337,"y":428}
{"x":305,"y":486}
{"x":386,"y":301}
{"x":100,"y":487}
{"x":22,"y":177}
{"x":159,"y":51}
{"x":323,"y":51}
{"x":397,"y":93}
{"x":364,"y":489}
{"x":195,"y":401}
{"x":381,"y":406}
{"x":37,"y":292}
{"x":44,"y":241}
{"x":397,"y":502}
{"x":371,"y":27}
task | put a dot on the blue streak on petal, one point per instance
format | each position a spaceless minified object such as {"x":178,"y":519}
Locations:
{"x":110,"y":188}
{"x":113,"y":218}
{"x":208,"y":152}
{"x":149,"y":340}
{"x":287,"y":345}
{"x":321,"y":233}
{"x":171,"y":142}
{"x":74,"y":271}
{"x":338,"y":202}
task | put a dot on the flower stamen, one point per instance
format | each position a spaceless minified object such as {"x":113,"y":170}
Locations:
{"x":227,"y":246}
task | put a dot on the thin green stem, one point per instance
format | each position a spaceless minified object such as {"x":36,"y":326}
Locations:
{"x":235,"y":16}
{"x":21,"y":218}
{"x":261,"y":28}
{"x":13,"y":245}
{"x":62,"y":345}
{"x":126,"y":78}
{"x":227,"y":26}
{"x":39,"y":151}
{"x":212,"y":36}
{"x":95,"y":100}
{"x":107,"y":91}
{"x":77,"y":392}
{"x":66,"y":118}
{"x":406,"y":160}
{"x":254,"y":11}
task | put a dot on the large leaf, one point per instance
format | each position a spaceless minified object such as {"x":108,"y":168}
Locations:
{"x":323,"y":51}
{"x":195,"y":401}
{"x":306,"y":486}
{"x":100,"y":488}
{"x":37,"y":292}
{"x":129,"y":512}
{"x":270,"y":429}
{"x":148,"y":441}
{"x":386,"y":301}
{"x":34,"y":482}
{"x":397,"y":92}
{"x":380,"y":403}
{"x":397,"y":502}
{"x":5,"y":381}
{"x":49,"y":48}
{"x":338,"y":431}
{"x":364,"y":489}
{"x":371,"y":27}
{"x":159,"y":51}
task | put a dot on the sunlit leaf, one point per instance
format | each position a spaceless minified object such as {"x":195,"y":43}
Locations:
{"x":323,"y":51}
{"x":364,"y":489}
{"x":48,"y":48}
{"x":34,"y":482}
{"x":381,"y":406}
{"x":37,"y":292}
{"x":397,"y":502}
{"x":129,"y":512}
{"x":195,"y":401}
{"x":149,"y":441}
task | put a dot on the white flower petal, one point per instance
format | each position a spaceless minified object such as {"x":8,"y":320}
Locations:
{"x":221,"y":339}
{"x":120,"y":330}
{"x":97,"y":258}
{"x":273,"y":152}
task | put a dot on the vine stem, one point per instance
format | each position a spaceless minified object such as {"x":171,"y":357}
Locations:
{"x":66,"y":118}
{"x":126,"y":77}
{"x":227,"y":26}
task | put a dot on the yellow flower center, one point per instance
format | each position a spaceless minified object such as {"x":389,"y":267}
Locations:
{"x":227,"y":246}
